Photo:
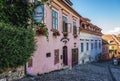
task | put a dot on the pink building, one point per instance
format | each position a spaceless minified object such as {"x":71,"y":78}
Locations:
{"x":61,"y":50}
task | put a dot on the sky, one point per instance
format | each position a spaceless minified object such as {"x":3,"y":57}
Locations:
{"x":103,"y":13}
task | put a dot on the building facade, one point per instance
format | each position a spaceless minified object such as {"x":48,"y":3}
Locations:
{"x":114,"y":45}
{"x":105,"y":50}
{"x":90,"y":41}
{"x":62,"y":48}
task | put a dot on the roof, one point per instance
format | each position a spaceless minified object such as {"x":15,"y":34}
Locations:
{"x":69,"y":2}
{"x":85,"y":19}
{"x":109,"y":38}
{"x":104,"y":42}
{"x":68,"y":7}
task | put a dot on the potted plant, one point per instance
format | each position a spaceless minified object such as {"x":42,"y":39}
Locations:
{"x":41,"y":29}
{"x":55,"y":32}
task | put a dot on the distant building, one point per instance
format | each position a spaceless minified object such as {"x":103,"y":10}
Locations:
{"x":90,"y":41}
{"x":114,"y":45}
{"x":105,"y":50}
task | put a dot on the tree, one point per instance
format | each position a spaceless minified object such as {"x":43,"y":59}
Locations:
{"x":17,"y":42}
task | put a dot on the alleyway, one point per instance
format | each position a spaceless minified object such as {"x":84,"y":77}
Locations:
{"x":85,"y":72}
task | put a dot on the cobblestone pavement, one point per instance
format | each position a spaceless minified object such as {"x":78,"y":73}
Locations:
{"x":84,"y":72}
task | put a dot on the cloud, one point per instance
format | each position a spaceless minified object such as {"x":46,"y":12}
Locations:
{"x":114,"y":31}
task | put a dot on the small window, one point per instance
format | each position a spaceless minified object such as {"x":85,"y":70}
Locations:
{"x":74,"y":28}
{"x":82,"y":47}
{"x":91,"y":45}
{"x":95,"y":44}
{"x":48,"y":55}
{"x":87,"y":48}
{"x":99,"y":45}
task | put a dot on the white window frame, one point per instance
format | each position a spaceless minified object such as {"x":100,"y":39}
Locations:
{"x":56,"y":27}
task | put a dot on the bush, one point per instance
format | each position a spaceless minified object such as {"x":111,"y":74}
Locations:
{"x":16,"y":45}
{"x":15,"y":12}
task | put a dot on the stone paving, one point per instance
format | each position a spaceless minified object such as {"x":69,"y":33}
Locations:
{"x":116,"y":73}
{"x":84,"y":72}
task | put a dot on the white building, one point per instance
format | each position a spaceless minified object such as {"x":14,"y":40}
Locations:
{"x":90,"y":41}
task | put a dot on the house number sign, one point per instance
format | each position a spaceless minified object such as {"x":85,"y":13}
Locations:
{"x":38,"y":14}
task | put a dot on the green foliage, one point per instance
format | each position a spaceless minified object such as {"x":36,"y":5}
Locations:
{"x":16,"y":45}
{"x":17,"y":42}
{"x":41,"y":28}
{"x":15,"y":12}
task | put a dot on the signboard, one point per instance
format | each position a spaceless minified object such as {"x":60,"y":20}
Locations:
{"x":38,"y":14}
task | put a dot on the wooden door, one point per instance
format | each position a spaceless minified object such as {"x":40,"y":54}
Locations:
{"x":74,"y":56}
{"x":65,"y":56}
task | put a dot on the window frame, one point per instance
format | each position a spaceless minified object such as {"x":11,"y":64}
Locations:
{"x":82,"y":47}
{"x":64,"y":24}
{"x":87,"y":46}
{"x":55,"y":16}
{"x":74,"y":28}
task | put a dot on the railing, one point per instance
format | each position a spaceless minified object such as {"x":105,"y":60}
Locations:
{"x":89,"y":30}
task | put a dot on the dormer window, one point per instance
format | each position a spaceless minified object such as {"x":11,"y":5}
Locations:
{"x":68,"y":2}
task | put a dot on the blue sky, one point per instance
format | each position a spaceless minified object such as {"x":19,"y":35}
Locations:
{"x":103,"y":13}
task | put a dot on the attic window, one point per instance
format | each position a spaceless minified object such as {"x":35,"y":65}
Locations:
{"x":68,"y":2}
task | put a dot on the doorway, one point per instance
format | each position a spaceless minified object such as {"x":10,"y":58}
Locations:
{"x":65,"y":56}
{"x":74,"y":56}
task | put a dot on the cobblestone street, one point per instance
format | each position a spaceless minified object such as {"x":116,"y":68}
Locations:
{"x":84,"y":72}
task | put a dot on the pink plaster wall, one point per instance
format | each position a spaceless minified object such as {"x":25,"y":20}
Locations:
{"x":42,"y":64}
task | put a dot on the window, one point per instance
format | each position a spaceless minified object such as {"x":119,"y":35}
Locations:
{"x":95,"y":44}
{"x":82,"y":47}
{"x":30,"y":63}
{"x":54,"y":19}
{"x":83,"y":25}
{"x":99,"y":45}
{"x":56,"y":56}
{"x":65,"y":29}
{"x":48,"y":55}
{"x":74,"y":28}
{"x":91,"y":45}
{"x":87,"y":48}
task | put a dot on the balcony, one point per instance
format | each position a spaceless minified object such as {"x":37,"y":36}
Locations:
{"x":91,"y":31}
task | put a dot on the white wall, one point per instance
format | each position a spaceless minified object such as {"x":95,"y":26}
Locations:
{"x":89,"y":55}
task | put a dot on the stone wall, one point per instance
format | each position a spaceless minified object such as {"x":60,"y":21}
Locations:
{"x":12,"y":75}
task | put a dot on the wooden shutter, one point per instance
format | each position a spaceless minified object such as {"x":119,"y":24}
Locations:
{"x":56,"y":55}
{"x":30,"y":63}
{"x":74,"y":56}
{"x":74,"y":30}
{"x":65,"y":29}
{"x":69,"y":27}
